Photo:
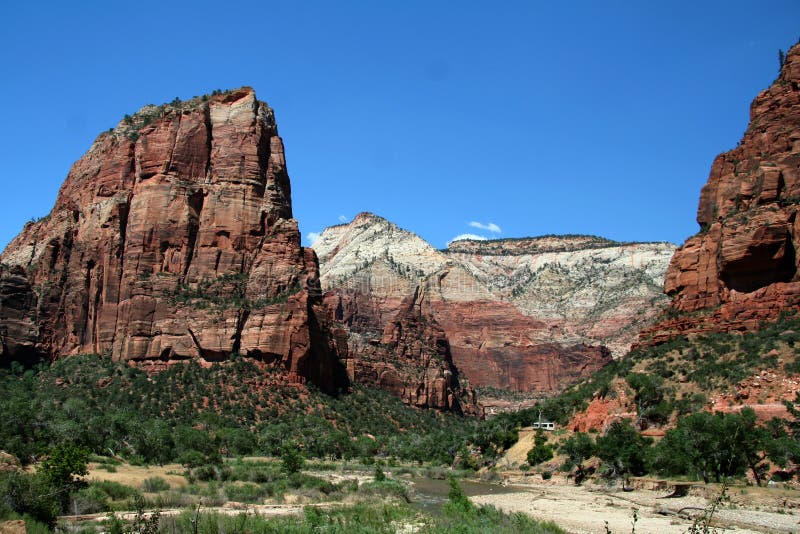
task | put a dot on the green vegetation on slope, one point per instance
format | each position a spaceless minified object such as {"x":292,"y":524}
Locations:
{"x":703,"y":446}
{"x":236,"y":408}
{"x":676,"y":377}
{"x":668,"y":381}
{"x":196,"y":415}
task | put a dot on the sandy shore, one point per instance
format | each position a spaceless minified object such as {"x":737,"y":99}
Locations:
{"x":587,"y":509}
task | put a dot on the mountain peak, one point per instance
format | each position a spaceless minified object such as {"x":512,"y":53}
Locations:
{"x":162,"y":235}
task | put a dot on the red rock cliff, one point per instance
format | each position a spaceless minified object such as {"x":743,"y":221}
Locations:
{"x":742,"y":268}
{"x":410,"y":359}
{"x":172,"y":238}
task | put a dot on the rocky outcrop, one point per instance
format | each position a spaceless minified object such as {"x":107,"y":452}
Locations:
{"x":411,"y":358}
{"x":742,"y":267}
{"x":531,"y":315}
{"x":172,"y":238}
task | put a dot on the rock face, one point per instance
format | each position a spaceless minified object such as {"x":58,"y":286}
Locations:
{"x":172,"y":238}
{"x":531,"y":315}
{"x":742,"y":267}
{"x":584,"y":289}
{"x":411,"y":358}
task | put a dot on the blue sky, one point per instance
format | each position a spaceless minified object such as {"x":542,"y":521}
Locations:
{"x":532,"y":117}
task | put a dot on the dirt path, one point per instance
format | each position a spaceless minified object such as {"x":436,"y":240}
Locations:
{"x":581,"y":509}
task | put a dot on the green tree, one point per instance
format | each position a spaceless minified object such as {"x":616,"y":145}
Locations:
{"x":152,"y":440}
{"x":30,"y":494}
{"x":46,"y":493}
{"x":578,"y":448}
{"x":648,"y":395}
{"x":62,"y":469}
{"x":541,"y":450}
{"x":496,"y":434}
{"x":292,"y":460}
{"x":624,"y":451}
{"x":714,"y":446}
{"x":781,"y":447}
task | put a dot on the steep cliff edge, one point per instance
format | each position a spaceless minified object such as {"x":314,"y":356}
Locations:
{"x":742,"y":267}
{"x":172,"y":238}
{"x":529,"y":315}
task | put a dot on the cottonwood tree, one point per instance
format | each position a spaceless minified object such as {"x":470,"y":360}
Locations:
{"x":541,"y":450}
{"x":578,"y":448}
{"x":624,"y":451}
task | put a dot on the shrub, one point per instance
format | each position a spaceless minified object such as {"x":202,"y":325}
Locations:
{"x":248,"y":493}
{"x":32,"y":495}
{"x":292,"y":460}
{"x":114,"y":490}
{"x":541,"y":451}
{"x":190,"y":459}
{"x":379,"y":475}
{"x":89,"y":500}
{"x":457,"y":499}
{"x":155,"y":484}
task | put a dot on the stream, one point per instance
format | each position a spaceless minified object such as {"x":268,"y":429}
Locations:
{"x":430,"y":494}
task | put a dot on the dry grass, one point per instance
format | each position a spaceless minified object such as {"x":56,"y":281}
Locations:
{"x":134,"y":476}
{"x":518,"y":453}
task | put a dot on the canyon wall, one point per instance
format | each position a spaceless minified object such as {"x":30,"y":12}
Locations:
{"x":741,"y":268}
{"x":530,"y":315}
{"x":172,"y":238}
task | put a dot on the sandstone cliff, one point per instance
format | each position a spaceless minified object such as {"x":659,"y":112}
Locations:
{"x":394,"y":341}
{"x":172,"y":238}
{"x":409,"y":356}
{"x":530,"y":315}
{"x":742,"y":267}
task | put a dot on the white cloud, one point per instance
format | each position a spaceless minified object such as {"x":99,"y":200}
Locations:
{"x":342,"y":219}
{"x":489,"y":227}
{"x":312,"y":237}
{"x":462,"y":237}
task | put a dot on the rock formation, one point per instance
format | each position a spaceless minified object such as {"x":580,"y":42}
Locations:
{"x":411,"y":358}
{"x":742,"y":267}
{"x":530,"y":315}
{"x":172,"y":238}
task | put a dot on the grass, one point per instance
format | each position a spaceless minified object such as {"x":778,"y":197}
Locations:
{"x":370,"y":506}
{"x":376,"y":512}
{"x":135,"y":476}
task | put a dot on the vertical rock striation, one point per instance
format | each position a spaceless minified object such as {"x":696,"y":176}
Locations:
{"x":172,"y":238}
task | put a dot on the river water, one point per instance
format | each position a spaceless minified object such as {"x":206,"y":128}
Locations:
{"x":430,"y":494}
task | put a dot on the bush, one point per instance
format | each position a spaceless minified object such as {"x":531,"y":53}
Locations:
{"x":114,"y":490}
{"x":380,"y":476}
{"x":292,"y":460}
{"x":155,"y":484}
{"x":205,"y":473}
{"x":457,"y":499}
{"x":30,"y":494}
{"x":248,"y":493}
{"x":385,"y":488}
{"x":89,"y":500}
{"x":190,"y":459}
{"x":541,"y":451}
